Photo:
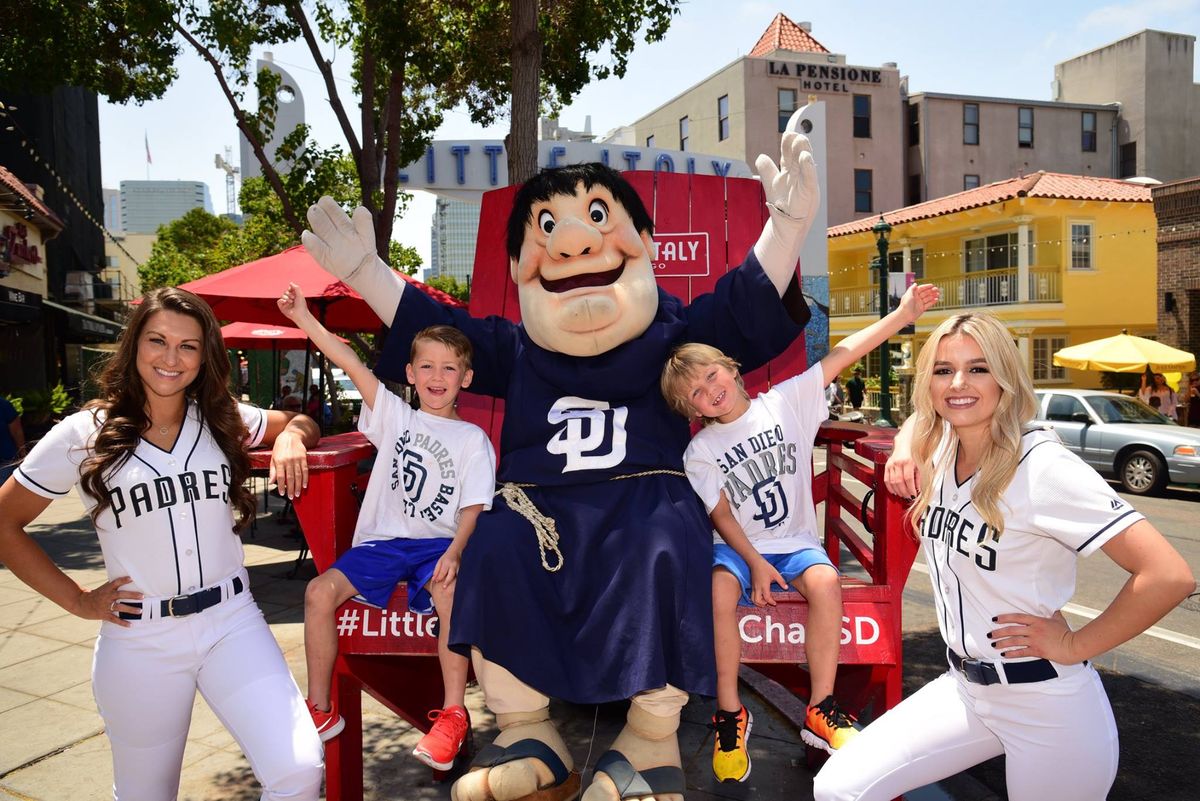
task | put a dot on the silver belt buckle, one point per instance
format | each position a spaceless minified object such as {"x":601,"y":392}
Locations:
{"x":171,"y":606}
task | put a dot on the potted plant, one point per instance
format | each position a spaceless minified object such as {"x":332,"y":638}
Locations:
{"x":41,"y":408}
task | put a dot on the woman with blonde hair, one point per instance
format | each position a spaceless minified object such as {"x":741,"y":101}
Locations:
{"x":1003,"y":511}
{"x":159,"y":461}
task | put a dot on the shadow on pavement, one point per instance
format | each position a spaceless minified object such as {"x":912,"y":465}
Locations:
{"x":1159,"y":735}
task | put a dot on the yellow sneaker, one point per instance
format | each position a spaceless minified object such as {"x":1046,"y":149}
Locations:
{"x":827,"y":727}
{"x":731,"y":759}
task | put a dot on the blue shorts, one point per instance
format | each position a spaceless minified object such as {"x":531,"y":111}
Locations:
{"x":789,"y":565}
{"x":376,"y":567}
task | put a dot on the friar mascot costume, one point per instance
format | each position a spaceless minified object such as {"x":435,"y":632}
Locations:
{"x":589,"y":579}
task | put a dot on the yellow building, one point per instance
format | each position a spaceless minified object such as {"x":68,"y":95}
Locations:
{"x":1061,"y":259}
{"x":123,"y":252}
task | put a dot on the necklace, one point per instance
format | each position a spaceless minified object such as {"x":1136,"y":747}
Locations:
{"x":163,"y":430}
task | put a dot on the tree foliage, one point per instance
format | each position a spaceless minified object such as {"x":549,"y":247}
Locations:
{"x":412,"y":62}
{"x":451,"y":286}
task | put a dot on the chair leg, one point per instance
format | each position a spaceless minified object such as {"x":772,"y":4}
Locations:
{"x":300,"y":557}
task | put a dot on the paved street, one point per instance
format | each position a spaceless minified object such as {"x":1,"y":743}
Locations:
{"x":61,"y":752}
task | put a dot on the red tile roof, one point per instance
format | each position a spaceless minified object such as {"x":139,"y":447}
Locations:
{"x":783,"y":34}
{"x":13,"y":184}
{"x":1038,"y":184}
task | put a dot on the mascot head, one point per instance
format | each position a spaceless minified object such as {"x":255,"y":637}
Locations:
{"x":579,"y":245}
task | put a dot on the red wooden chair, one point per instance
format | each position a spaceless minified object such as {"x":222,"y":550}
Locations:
{"x":710,"y":223}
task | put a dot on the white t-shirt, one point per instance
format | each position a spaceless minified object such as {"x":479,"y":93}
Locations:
{"x":170,"y":525}
{"x":1056,"y":509}
{"x":762,"y":461}
{"x":428,"y":468}
{"x":1166,"y":397}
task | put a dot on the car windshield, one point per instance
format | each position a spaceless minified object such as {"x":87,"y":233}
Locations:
{"x":1125,"y":410}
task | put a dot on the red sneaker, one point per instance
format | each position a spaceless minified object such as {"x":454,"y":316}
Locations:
{"x":329,"y":724}
{"x":438,"y":748}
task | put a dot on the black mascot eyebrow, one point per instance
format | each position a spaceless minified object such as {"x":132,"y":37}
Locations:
{"x":553,"y":181}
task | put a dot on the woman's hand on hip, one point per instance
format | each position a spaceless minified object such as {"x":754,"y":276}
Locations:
{"x":107,"y":601}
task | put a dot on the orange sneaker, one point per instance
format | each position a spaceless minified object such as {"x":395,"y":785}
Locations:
{"x":441,"y":745}
{"x":329,"y":724}
{"x":827,"y":727}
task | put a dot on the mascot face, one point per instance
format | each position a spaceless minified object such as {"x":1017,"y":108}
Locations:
{"x":584,"y":275}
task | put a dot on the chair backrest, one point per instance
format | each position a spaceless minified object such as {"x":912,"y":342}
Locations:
{"x":704,"y":226}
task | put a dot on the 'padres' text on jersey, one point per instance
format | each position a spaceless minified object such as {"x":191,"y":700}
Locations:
{"x":170,"y":525}
{"x":1056,"y":509}
{"x":762,"y":462}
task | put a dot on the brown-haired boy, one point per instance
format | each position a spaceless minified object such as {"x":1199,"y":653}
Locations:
{"x":433,"y":475}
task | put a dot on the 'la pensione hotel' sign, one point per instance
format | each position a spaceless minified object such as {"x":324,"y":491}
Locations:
{"x":825,"y":77}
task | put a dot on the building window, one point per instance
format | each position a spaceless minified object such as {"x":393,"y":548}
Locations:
{"x":862,"y":190}
{"x":1129,"y":160}
{"x":1024,"y":127}
{"x":650,"y":141}
{"x":970,"y":181}
{"x":1044,"y":368}
{"x":995,"y":252}
{"x":975,"y":255}
{"x":914,"y":124}
{"x":1089,"y":132}
{"x":1081,"y":246}
{"x":722,"y":118}
{"x":916,"y":262}
{"x":787,"y":105}
{"x":862,"y":116}
{"x":970,"y":123}
{"x":683,"y":133}
{"x":914,"y":189}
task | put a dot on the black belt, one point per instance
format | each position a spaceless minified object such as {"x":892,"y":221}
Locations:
{"x":183,"y":605}
{"x":977,"y":671}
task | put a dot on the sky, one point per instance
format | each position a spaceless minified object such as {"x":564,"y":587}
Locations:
{"x":989,"y":49}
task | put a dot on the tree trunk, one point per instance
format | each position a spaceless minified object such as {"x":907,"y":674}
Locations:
{"x":391,"y":178}
{"x":526,"y":73}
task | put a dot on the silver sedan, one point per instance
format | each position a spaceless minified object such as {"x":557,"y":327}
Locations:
{"x":1123,"y":438}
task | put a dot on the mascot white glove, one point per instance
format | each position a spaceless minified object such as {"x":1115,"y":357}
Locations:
{"x":345,"y":247}
{"x":793,"y":195}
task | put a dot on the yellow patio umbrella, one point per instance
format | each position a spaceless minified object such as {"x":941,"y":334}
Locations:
{"x":1125,"y":354}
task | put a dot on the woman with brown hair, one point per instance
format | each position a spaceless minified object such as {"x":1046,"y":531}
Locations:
{"x":160,"y":463}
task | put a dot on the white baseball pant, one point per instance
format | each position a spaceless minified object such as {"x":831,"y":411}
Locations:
{"x":145,"y":679}
{"x":1058,"y":737}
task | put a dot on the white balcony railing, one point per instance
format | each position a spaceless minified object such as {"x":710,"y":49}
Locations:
{"x":966,"y":290}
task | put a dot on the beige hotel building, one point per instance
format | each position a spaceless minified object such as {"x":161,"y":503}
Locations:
{"x":1119,"y":111}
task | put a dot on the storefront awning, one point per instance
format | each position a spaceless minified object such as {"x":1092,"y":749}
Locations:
{"x":83,"y":327}
{"x":18,"y":306}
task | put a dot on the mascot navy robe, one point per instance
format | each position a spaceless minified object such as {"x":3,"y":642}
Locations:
{"x":630,"y":609}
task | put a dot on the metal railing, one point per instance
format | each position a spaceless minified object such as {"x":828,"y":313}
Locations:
{"x":966,"y":290}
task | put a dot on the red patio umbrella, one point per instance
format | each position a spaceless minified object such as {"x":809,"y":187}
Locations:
{"x":249,"y":292}
{"x":255,"y":336}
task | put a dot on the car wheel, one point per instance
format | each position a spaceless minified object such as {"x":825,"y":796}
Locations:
{"x":1143,"y":473}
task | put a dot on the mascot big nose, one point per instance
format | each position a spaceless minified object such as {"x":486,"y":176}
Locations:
{"x":588,"y":580}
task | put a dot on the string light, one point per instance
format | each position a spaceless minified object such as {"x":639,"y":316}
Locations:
{"x":66,"y":190}
{"x":959,"y":253}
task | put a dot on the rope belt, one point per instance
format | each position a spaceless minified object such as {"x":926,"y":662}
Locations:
{"x":544,"y":527}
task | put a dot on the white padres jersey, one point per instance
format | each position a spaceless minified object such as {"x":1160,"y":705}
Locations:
{"x":762,"y":461}
{"x":170,"y":525}
{"x":1056,"y":509}
{"x":428,"y":468}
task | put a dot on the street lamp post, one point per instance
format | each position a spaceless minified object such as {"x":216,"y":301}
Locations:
{"x":881,"y":230}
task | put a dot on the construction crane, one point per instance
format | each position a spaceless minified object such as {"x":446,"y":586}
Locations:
{"x":230,"y":171}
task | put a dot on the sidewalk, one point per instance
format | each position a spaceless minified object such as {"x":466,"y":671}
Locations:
{"x":53,"y":745}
